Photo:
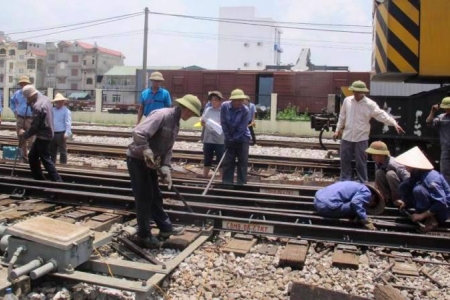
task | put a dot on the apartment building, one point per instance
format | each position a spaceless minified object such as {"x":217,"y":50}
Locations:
{"x":247,"y":47}
{"x":75,"y":66}
{"x":19,"y":59}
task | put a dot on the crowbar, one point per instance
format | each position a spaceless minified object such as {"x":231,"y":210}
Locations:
{"x":214,"y":175}
{"x":189,"y":209}
{"x":404,"y":211}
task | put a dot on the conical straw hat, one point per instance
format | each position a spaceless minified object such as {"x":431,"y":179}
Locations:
{"x":414,"y":158}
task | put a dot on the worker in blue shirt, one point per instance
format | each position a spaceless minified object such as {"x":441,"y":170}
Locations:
{"x":349,"y":199}
{"x":442,"y":123}
{"x":234,"y":120}
{"x":62,"y":126}
{"x":154,"y":97}
{"x":251,"y":118}
{"x":1,"y":107}
{"x":22,"y":112}
{"x":426,"y":190}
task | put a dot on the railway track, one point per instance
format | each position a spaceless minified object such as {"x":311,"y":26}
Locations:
{"x":256,"y":162}
{"x":190,"y":138}
{"x":99,"y":199}
{"x":288,"y":214}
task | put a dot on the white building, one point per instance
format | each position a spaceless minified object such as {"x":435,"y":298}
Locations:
{"x":119,"y":86}
{"x":247,"y":47}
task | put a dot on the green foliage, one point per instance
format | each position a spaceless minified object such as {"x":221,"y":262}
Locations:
{"x":290,"y":113}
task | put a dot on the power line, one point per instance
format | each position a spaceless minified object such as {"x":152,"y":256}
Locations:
{"x":299,"y":23}
{"x":234,"y":38}
{"x":183,"y":34}
{"x":256,"y":24}
{"x":73,"y":24}
{"x":80,"y":27}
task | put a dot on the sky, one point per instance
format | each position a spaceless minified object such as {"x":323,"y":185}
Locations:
{"x":183,"y":42}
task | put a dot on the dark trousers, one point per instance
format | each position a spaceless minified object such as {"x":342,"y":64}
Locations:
{"x":357,"y":150}
{"x":236,"y":157}
{"x":59,"y":143}
{"x":40,"y":152}
{"x":252,"y":133}
{"x":147,"y":197}
{"x":445,"y":163}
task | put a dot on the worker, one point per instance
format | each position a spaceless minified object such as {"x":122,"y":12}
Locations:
{"x":42,"y":127}
{"x":62,"y":125}
{"x":251,"y":120}
{"x":213,"y":138}
{"x":155,"y":97}
{"x":426,"y":190}
{"x":22,"y":112}
{"x":1,"y":107}
{"x":389,"y":173}
{"x":354,"y":128}
{"x":150,"y":153}
{"x":234,"y":117}
{"x":442,"y":123}
{"x":349,"y":199}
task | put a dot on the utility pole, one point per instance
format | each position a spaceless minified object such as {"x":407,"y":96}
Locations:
{"x":144,"y":63}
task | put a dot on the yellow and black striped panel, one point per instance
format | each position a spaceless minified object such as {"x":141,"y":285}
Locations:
{"x":397,"y":37}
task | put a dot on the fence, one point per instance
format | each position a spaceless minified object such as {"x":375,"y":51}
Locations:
{"x":79,"y":100}
{"x":120,"y":101}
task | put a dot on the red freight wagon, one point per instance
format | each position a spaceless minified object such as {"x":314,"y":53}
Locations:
{"x":306,"y":90}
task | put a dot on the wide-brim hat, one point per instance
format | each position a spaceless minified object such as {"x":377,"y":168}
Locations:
{"x":24,"y":79}
{"x":445,"y":104}
{"x":359,"y":86}
{"x":378,"y":209}
{"x":59,"y":97}
{"x":156,"y":76}
{"x":378,"y":148}
{"x":414,"y":158}
{"x":29,"y":90}
{"x":238,"y":94}
{"x":215,"y":93}
{"x":191,"y":102}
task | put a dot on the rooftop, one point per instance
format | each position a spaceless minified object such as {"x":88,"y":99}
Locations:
{"x":100,"y":49}
{"x":121,"y":71}
{"x":38,"y":52}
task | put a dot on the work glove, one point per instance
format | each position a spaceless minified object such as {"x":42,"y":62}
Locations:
{"x":166,"y":176}
{"x":149,"y":159}
{"x":368,"y":224}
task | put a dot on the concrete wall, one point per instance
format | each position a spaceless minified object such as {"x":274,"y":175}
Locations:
{"x":99,"y":117}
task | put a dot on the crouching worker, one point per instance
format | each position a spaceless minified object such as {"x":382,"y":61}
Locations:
{"x":150,"y":153}
{"x":426,"y":190}
{"x":389,"y":173}
{"x":349,"y":199}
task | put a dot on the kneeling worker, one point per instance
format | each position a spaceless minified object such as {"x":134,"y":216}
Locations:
{"x":348,"y":199}
{"x":389,"y":173}
{"x":426,"y":190}
{"x":150,"y":153}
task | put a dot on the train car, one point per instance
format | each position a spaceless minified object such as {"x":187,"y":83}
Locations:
{"x":308,"y":91}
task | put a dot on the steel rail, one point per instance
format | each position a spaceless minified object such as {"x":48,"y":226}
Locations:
{"x":192,"y":138}
{"x":293,"y":205}
{"x":283,"y":227}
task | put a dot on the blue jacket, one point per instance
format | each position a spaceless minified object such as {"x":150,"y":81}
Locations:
{"x":234,"y":123}
{"x":435,"y":197}
{"x":343,"y":199}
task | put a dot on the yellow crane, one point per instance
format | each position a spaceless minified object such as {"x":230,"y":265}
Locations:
{"x":411,"y":41}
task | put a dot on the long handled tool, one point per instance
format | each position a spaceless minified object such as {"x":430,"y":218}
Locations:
{"x":15,"y":156}
{"x":214,"y":175}
{"x":404,"y":211}
{"x":189,"y":209}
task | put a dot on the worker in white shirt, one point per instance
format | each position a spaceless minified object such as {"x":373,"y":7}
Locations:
{"x":354,"y":128}
{"x":62,"y":124}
